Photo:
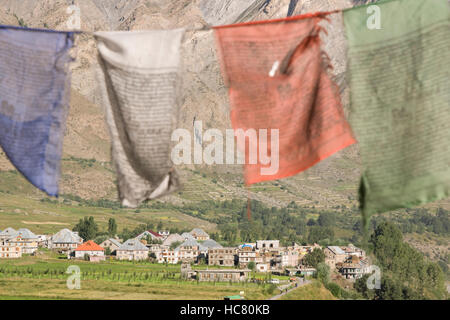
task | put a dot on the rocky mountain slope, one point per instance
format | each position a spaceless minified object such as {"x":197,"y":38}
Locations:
{"x":330,"y":183}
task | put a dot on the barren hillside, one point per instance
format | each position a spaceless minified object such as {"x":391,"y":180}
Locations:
{"x":331,"y":182}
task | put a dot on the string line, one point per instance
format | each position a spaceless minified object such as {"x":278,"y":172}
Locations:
{"x":203,"y":28}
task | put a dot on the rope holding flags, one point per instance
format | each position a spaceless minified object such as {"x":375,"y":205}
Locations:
{"x":279,"y":87}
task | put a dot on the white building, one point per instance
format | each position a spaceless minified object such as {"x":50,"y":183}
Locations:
{"x":91,"y":249}
{"x":112,"y":244}
{"x":132,"y":249}
{"x":25,"y":239}
{"x":167,"y":256}
{"x":8,"y":251}
{"x":267,"y":244}
{"x":65,"y":240}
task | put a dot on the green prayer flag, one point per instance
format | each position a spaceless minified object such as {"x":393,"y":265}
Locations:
{"x":399,"y":79}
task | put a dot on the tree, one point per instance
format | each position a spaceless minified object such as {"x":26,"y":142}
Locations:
{"x":317,"y":233}
{"x":87,"y":228}
{"x":386,"y":241}
{"x":326,"y":219}
{"x":361,"y":287}
{"x":323,"y":273}
{"x":314,"y":258}
{"x":390,"y":290}
{"x":406,"y":273}
{"x":251,"y":265}
{"x":112,"y":227}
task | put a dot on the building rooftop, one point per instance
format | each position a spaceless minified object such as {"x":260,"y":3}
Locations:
{"x":173,"y":238}
{"x":336,"y":250}
{"x":188,"y":243}
{"x":66,"y":236}
{"x":25,"y":234}
{"x":132,"y":245}
{"x":211,"y":244}
{"x":115,"y":242}
{"x":187,"y":235}
{"x":146,"y":233}
{"x":199,"y":232}
{"x":89,"y":246}
{"x":7,"y":232}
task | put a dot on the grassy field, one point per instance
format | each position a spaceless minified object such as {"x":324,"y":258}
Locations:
{"x":312,"y":291}
{"x":49,"y":217}
{"x":44,"y":277}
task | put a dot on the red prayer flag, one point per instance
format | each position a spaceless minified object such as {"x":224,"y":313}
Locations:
{"x":277,"y":77}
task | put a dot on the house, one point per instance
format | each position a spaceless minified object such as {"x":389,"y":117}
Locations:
{"x":267,"y":244}
{"x":199,"y":234}
{"x":189,"y":250}
{"x":65,"y":240}
{"x":262,"y":267}
{"x":233,"y":275}
{"x":351,"y":250}
{"x":247,"y":254}
{"x":353,"y":268}
{"x":9,"y":251}
{"x":91,"y":249}
{"x":25,"y":239}
{"x":187,"y":272}
{"x":334,"y":255}
{"x":289,"y":258}
{"x":150,"y":234}
{"x":5,"y":234}
{"x":132,"y":249}
{"x":112,"y":244}
{"x":42,"y":240}
{"x":222,"y":256}
{"x":175,"y":237}
{"x":166,"y":255}
{"x":306,"y":271}
{"x":270,"y":256}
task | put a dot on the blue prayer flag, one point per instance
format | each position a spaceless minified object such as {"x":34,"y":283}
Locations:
{"x":34,"y":101}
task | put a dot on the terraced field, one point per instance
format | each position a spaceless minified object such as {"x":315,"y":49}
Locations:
{"x":45,"y":217}
{"x":44,"y":277}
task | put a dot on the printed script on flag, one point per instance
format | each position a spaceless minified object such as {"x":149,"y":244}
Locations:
{"x":277,"y":78}
{"x":139,"y":78}
{"x":34,"y":101}
{"x":399,"y":78}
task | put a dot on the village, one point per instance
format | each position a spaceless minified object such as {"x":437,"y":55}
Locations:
{"x":232,"y":264}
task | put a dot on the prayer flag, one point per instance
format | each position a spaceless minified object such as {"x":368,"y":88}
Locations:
{"x":140,"y":85}
{"x":34,"y":101}
{"x":279,"y":84}
{"x":399,"y":78}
